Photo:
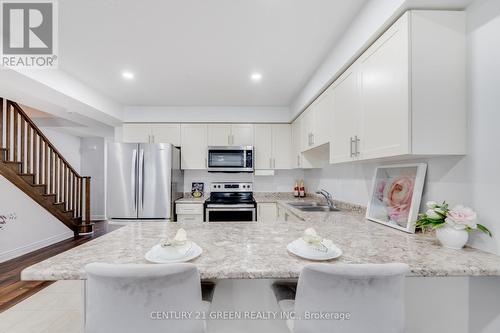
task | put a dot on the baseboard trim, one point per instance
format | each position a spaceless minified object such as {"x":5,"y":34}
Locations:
{"x":97,"y":217}
{"x":17,"y":252}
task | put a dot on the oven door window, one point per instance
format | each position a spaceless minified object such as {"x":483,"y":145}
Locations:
{"x":243,"y":215}
{"x":226,"y":159}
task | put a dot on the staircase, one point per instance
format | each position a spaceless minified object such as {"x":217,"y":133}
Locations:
{"x":32,"y":163}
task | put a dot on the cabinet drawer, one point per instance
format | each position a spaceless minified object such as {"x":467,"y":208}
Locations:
{"x":189,"y":209}
{"x":190,"y":218}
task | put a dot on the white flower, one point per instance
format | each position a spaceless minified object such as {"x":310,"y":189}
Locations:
{"x":433,"y":215}
{"x":431,"y":204}
{"x":461,"y":217}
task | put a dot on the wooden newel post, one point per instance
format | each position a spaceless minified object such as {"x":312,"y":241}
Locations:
{"x":87,"y":200}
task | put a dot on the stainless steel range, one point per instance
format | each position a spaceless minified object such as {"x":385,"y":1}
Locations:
{"x":230,"y":202}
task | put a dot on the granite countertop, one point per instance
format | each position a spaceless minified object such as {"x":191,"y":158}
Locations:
{"x":253,"y":250}
{"x":191,"y":200}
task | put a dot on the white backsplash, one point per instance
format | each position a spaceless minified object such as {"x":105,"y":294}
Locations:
{"x":282,"y":181}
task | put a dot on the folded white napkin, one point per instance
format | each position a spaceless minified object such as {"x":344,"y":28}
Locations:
{"x":314,"y":240}
{"x":179,"y":239}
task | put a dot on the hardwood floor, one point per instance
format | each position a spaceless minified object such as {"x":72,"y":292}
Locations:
{"x":13,"y":290}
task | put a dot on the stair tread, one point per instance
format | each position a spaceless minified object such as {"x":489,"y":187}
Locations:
{"x":26,"y":174}
{"x":48,"y":194}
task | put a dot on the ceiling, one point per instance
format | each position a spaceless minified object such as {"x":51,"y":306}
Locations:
{"x":199,"y":52}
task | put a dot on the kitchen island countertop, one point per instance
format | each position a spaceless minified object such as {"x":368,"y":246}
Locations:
{"x":254,"y":250}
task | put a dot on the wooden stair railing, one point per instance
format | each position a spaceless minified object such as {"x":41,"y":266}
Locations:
{"x":39,"y":163}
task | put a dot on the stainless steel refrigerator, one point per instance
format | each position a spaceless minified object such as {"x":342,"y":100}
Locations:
{"x":144,"y":180}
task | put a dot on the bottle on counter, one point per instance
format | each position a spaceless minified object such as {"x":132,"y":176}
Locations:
{"x":302,"y":190}
{"x":296,"y":189}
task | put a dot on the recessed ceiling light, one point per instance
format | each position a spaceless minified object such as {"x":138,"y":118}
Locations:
{"x":256,"y":77}
{"x":128,"y":75}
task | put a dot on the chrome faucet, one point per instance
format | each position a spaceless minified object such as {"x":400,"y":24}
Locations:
{"x":328,"y":197}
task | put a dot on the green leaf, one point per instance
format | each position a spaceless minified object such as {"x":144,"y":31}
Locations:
{"x":484,"y":229}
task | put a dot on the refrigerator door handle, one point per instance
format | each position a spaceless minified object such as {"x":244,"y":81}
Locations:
{"x":133,"y":178}
{"x":141,"y":178}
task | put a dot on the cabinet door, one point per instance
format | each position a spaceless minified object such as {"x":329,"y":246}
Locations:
{"x":298,"y":160}
{"x":267,"y":212}
{"x":194,"y":146}
{"x":242,"y":135}
{"x":263,"y":147}
{"x":219,"y":134}
{"x":140,"y":133}
{"x":323,"y":119}
{"x":282,"y":146}
{"x":166,"y":133}
{"x":306,"y":126}
{"x":347,"y":115}
{"x":384,"y":69}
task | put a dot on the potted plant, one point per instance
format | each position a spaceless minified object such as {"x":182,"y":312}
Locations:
{"x":452,"y":225}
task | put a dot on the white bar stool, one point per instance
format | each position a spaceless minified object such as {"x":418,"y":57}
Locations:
{"x":345,"y":298}
{"x":144,"y":298}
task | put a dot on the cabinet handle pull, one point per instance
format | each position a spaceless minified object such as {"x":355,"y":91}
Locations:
{"x":351,"y":142}
{"x":357,"y":153}
{"x":312,"y":139}
{"x":270,"y":163}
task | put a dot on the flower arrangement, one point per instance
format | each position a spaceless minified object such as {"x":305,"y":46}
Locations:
{"x":459,"y":217}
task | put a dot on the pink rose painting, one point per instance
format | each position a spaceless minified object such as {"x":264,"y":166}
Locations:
{"x":394,"y":188}
{"x":397,"y":198}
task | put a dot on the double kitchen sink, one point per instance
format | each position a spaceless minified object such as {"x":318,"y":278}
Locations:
{"x":312,"y":207}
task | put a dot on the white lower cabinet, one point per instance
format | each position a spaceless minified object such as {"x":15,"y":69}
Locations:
{"x":189,"y":212}
{"x":267,"y":212}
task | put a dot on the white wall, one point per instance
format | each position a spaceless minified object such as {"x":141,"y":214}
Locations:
{"x":474,"y":179}
{"x":33,"y":228}
{"x":282,"y":181}
{"x":93,"y":165}
{"x":68,"y":145}
{"x":207,"y":114}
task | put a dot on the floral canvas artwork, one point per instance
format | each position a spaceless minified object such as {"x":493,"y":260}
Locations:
{"x":396,"y":195}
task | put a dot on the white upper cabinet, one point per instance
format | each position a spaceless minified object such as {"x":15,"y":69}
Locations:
{"x":394,"y":100}
{"x":323,"y":119}
{"x":152,"y":133}
{"x":263,"y":147}
{"x":140,"y":133}
{"x":347,"y":115}
{"x":317,"y":122}
{"x":273,"y":146}
{"x":194,"y":146}
{"x":307,"y":128}
{"x":230,"y":135}
{"x":298,"y":145}
{"x":242,"y":135}
{"x":166,"y":133}
{"x":219,"y":134}
{"x":384,"y":83}
{"x":282,"y":146}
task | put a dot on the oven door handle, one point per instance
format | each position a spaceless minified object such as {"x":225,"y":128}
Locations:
{"x":230,"y":209}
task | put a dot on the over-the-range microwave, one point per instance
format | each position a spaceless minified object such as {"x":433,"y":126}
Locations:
{"x":230,"y":159}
